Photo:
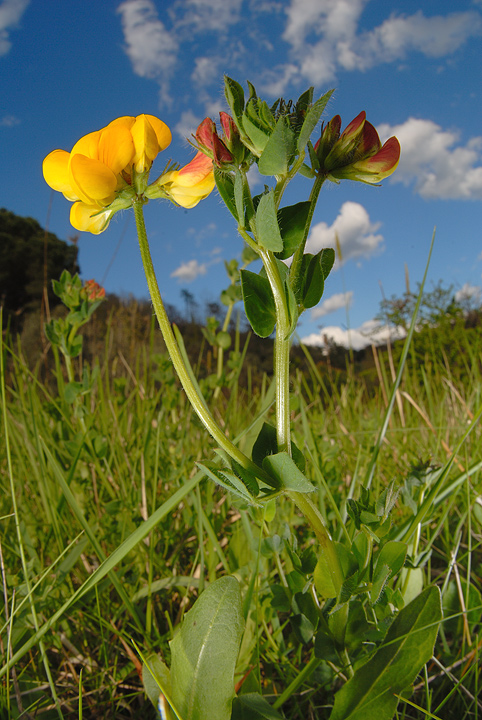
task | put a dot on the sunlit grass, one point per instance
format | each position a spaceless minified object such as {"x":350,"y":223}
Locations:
{"x":109,"y":529}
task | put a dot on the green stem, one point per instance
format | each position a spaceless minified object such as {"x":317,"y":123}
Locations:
{"x":196,"y":400}
{"x":281,"y":350}
{"x":298,"y":256}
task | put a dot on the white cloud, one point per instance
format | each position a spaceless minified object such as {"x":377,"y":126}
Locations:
{"x":187,"y":124}
{"x":370,"y":332}
{"x":206,"y":70}
{"x":151,"y":48}
{"x":189,"y":271}
{"x":469,"y":294}
{"x":356,"y":233}
{"x":11,"y":12}
{"x":332,"y":304}
{"x":436,"y":162}
{"x":207,"y":15}
{"x":325,"y":38}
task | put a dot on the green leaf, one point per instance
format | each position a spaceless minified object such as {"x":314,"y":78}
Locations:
{"x":252,"y":706}
{"x":393,"y":554}
{"x":311,"y":120}
{"x":292,"y":221}
{"x":268,"y":232}
{"x":239,"y":197}
{"x":265,"y":444}
{"x":279,"y":151}
{"x":327,"y":260}
{"x":204,"y":653}
{"x":258,"y":303}
{"x":408,"y":645}
{"x":312,"y":282}
{"x":230,"y":482}
{"x":284,"y":469}
{"x":225,"y":186}
{"x":235,"y":97}
{"x":155,"y":678}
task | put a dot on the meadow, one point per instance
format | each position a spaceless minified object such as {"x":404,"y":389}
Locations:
{"x":110,"y":527}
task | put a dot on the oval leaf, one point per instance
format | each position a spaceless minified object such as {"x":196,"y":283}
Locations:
{"x":258,"y":303}
{"x":267,"y":226}
{"x":204,"y":653}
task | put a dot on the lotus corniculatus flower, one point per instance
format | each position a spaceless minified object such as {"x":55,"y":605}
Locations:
{"x":356,"y":154}
{"x":107,"y":169}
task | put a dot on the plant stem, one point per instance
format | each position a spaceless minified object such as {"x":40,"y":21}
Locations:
{"x":298,"y":256}
{"x":192,"y":392}
{"x":281,"y":351}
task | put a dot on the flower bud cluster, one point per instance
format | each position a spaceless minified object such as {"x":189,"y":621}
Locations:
{"x":356,"y":153}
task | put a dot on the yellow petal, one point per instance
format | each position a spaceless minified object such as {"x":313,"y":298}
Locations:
{"x":92,"y":180}
{"x":88,"y":219}
{"x":116,"y":147}
{"x":164,"y":135}
{"x":188,"y":197}
{"x":56,"y":171}
{"x":126,"y":120}
{"x":146,"y":143}
{"x":88,"y":145}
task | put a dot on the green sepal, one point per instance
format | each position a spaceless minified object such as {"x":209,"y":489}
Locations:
{"x":235,"y":98}
{"x":259,"y":303}
{"x":284,"y":469}
{"x":268,"y":232}
{"x":292,"y":221}
{"x":257,"y":134}
{"x":225,"y":186}
{"x":279,"y":151}
{"x":311,"y":120}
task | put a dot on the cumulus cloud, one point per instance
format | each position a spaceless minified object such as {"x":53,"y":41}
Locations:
{"x":151,"y":48}
{"x":435,"y":160}
{"x":332,"y":304}
{"x":189,"y":271}
{"x":357,"y":234}
{"x":370,"y":332}
{"x":324,"y":36}
{"x":11,"y":12}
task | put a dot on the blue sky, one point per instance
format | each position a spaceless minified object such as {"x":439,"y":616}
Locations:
{"x":70,"y":67}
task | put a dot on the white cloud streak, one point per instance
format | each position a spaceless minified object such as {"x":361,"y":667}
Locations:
{"x":189,"y":271}
{"x":11,"y":12}
{"x":324,"y":37}
{"x":370,"y":332}
{"x":332,"y":304}
{"x":434,"y":160}
{"x":151,"y":48}
{"x":357,"y":235}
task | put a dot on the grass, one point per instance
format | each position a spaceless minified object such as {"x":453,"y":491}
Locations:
{"x":109,"y":530}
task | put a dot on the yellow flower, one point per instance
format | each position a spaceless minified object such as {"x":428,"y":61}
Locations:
{"x":106,"y":169}
{"x":191,"y":184}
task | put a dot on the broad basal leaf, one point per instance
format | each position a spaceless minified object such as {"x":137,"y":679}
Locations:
{"x":204,"y":653}
{"x":408,"y":645}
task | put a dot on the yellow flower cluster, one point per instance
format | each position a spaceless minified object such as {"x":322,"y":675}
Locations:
{"x":107,"y":169}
